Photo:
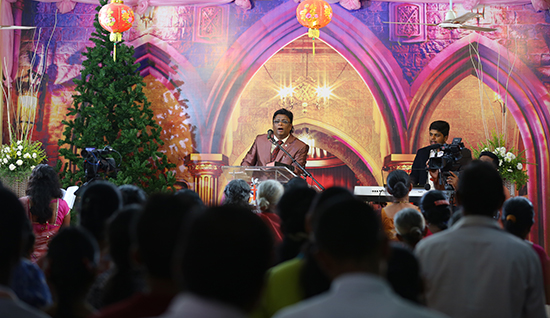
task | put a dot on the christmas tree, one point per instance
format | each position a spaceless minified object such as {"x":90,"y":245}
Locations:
{"x":111,"y":109}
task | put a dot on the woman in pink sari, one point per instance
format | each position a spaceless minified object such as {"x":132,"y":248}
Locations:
{"x":44,"y":206}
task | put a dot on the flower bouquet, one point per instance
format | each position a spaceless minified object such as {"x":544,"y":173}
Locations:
{"x":512,"y":162}
{"x":17,"y":159}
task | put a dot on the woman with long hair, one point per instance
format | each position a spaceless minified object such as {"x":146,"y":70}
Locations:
{"x":45,"y":207}
{"x":399,"y":186}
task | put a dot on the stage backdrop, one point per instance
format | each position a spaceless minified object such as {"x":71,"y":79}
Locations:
{"x":215,"y":75}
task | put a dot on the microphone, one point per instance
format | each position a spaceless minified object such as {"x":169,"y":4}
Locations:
{"x":270,"y":134}
{"x":427,"y":187}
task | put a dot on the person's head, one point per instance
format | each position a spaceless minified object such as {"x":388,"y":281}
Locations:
{"x":296,"y":182}
{"x":480,"y":189}
{"x":436,"y":209}
{"x":439,"y":132}
{"x":282,"y":123}
{"x":42,"y":188}
{"x":13,"y":227}
{"x":518,"y":215}
{"x":71,"y":264}
{"x":132,"y":194}
{"x":157,"y":230}
{"x":410,"y":226}
{"x":190,"y":198}
{"x":489,"y":157}
{"x":236,"y":192}
{"x":349,"y":237}
{"x":119,"y":235}
{"x":403,"y":274}
{"x":224,"y":256}
{"x":321,"y":199}
{"x":269,"y":194}
{"x":99,"y":201}
{"x":398,"y":184}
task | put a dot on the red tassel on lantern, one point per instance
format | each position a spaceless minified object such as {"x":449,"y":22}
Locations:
{"x":314,"y":14}
{"x":116,"y":17}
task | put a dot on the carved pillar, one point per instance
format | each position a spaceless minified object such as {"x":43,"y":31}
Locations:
{"x":398,"y":162}
{"x":206,"y":169}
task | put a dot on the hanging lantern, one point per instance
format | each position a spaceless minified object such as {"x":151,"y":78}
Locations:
{"x":116,"y":17}
{"x":314,"y":14}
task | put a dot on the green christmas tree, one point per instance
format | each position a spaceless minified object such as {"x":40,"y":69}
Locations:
{"x":111,"y":109}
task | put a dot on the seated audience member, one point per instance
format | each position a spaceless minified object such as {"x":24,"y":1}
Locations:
{"x":269,"y":194}
{"x":98,"y":202}
{"x":28,"y":281}
{"x":518,"y":218}
{"x":436,"y":210}
{"x":399,"y":187}
{"x":132,"y":194}
{"x":237,"y":192}
{"x":190,"y":198}
{"x":296,"y":182}
{"x":301,"y":277}
{"x":292,"y":209}
{"x":125,"y":278}
{"x":45,"y":208}
{"x":71,"y":267}
{"x":155,"y":235}
{"x":476,"y":269}
{"x":351,"y":248}
{"x":410,"y":227}
{"x":222,"y":261}
{"x":13,"y":227}
{"x":403,"y":273}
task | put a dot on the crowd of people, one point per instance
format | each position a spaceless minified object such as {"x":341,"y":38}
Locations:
{"x":293,"y":252}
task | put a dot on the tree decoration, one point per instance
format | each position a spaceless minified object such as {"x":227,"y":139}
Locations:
{"x":116,"y":17}
{"x":314,"y":14}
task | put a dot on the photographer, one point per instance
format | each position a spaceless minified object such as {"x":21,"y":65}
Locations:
{"x":453,"y":156}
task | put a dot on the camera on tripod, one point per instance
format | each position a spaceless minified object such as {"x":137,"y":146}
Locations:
{"x":95,"y":162}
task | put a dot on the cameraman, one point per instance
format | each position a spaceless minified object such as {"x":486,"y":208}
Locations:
{"x":438,"y":135}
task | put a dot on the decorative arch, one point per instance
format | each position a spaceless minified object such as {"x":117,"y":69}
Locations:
{"x":528,"y":102}
{"x":164,"y":62}
{"x":346,"y":34}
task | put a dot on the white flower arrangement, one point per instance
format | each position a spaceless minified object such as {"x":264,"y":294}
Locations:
{"x":512,"y":163}
{"x":19,"y":157}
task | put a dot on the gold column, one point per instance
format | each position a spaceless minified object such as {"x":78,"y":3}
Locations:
{"x":206,"y":170}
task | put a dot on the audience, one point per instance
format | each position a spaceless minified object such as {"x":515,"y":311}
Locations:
{"x":403,"y":274}
{"x":222,"y":262}
{"x":269,"y":194}
{"x":294,"y":183}
{"x":518,"y":218}
{"x":125,"y":279}
{"x":476,"y":269}
{"x":351,"y":248}
{"x":13,"y":227}
{"x":398,"y":186}
{"x":436,"y":210}
{"x":410,"y":227}
{"x":45,"y":208}
{"x":132,"y":194}
{"x":292,"y":209}
{"x":190,"y":198}
{"x":237,"y":192}
{"x":71,"y":266}
{"x":155,"y":234}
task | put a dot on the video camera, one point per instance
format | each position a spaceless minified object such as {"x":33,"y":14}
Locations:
{"x":95,"y":162}
{"x":447,"y":157}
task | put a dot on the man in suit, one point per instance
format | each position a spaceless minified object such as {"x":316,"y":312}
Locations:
{"x":265,"y":153}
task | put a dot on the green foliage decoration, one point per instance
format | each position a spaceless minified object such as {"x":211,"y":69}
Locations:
{"x":110,"y":108}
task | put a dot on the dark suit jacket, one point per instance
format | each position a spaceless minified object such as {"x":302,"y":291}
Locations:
{"x":419,"y":174}
{"x":260,"y":152}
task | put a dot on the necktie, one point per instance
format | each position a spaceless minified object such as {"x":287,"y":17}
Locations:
{"x":276,"y":151}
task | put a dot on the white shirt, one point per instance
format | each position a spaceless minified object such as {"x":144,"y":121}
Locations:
{"x":477,"y":270}
{"x":273,"y":146}
{"x":193,"y":306}
{"x":357,"y":295}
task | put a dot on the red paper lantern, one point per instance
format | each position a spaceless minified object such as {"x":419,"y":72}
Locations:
{"x":314,"y":14}
{"x":116,"y":17}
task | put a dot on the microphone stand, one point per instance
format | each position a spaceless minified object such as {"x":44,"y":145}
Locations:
{"x":306,"y":173}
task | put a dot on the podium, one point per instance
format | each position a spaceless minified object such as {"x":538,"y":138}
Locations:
{"x":250,"y":173}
